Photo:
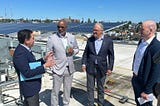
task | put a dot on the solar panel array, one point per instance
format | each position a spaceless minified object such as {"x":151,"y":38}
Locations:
{"x":6,"y":28}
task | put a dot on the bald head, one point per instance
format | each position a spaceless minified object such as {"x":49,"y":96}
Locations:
{"x":62,"y":21}
{"x":151,"y":25}
{"x":62,"y":25}
{"x":148,"y":29}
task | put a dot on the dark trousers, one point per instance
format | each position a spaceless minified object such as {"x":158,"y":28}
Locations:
{"x":137,"y":87}
{"x":31,"y":101}
{"x":100,"y":86}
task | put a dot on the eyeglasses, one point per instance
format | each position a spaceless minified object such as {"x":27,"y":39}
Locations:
{"x":60,"y":27}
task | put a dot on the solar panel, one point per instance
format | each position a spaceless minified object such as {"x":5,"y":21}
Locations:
{"x":6,"y":28}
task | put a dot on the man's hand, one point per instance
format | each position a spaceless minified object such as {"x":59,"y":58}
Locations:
{"x":83,"y":68}
{"x":69,"y":50}
{"x":109,"y":72}
{"x":49,"y":62}
{"x":144,"y":95}
{"x":48,"y":55}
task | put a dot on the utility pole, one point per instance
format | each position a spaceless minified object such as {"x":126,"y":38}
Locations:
{"x":5,"y":14}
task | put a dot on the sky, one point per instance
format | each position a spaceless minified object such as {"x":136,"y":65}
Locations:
{"x":100,"y":10}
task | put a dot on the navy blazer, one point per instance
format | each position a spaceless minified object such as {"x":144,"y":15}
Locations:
{"x":105,"y":57}
{"x":149,"y":72}
{"x":21,"y":59}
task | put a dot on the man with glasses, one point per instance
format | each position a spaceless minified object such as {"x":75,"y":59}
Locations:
{"x":64,"y":47}
{"x":97,"y":61}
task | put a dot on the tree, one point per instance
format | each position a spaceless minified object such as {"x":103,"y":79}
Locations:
{"x":94,"y":21}
{"x":158,"y":25}
{"x":47,"y":20}
{"x":82,"y":20}
{"x":69,"y":18}
{"x":89,"y":20}
{"x":21,"y":19}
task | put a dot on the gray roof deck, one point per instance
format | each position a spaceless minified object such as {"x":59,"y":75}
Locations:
{"x":119,"y":83}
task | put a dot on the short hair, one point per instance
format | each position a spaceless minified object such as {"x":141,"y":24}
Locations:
{"x":24,"y":34}
{"x":100,"y":24}
{"x":64,"y":21}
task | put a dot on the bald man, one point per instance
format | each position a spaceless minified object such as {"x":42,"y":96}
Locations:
{"x":97,"y":61}
{"x":145,"y":72}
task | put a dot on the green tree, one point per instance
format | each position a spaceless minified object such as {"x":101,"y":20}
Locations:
{"x":89,"y":20}
{"x":94,"y":21}
{"x":47,"y":21}
{"x":69,"y":18}
{"x":158,"y":25}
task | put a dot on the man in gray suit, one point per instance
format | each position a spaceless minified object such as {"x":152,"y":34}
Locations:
{"x":64,"y":47}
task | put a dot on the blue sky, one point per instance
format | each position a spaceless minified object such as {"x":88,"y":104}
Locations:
{"x":101,"y":10}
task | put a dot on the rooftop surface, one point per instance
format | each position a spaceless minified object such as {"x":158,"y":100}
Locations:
{"x":119,"y":83}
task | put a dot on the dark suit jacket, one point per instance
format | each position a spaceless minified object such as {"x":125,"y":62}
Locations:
{"x":105,"y":57}
{"x":149,"y":72}
{"x":21,"y":59}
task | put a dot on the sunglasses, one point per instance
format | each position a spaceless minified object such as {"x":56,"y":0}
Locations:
{"x":60,"y":27}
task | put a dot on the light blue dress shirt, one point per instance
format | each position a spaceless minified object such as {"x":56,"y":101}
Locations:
{"x":140,"y":53}
{"x":98,"y":44}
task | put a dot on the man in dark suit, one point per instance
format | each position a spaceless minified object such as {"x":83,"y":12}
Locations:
{"x":97,"y":61}
{"x":21,"y":59}
{"x":145,"y":72}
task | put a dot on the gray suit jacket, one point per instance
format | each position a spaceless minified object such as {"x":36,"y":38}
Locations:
{"x":62,"y":60}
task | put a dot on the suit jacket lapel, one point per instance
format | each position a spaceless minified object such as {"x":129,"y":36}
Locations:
{"x":93,"y":44}
{"x":146,"y":51}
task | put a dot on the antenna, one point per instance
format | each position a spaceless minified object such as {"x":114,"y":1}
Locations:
{"x":11,"y":13}
{"x":5,"y":14}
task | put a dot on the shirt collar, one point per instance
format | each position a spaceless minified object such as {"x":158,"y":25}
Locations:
{"x":26,"y":47}
{"x":101,"y":38}
{"x":149,"y":40}
{"x":61,"y":35}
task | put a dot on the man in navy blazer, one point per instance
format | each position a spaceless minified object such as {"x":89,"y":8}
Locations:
{"x":145,"y":72}
{"x":97,"y":61}
{"x":21,"y":59}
